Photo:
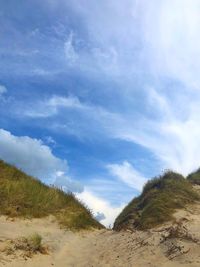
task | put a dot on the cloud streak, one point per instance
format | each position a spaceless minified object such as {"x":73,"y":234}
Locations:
{"x":172,"y":137}
{"x":51,"y":106}
{"x":170,"y":134}
{"x":127,"y":174}
{"x":69,"y":49}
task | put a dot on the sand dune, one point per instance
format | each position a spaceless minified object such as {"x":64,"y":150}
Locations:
{"x":171,"y":245}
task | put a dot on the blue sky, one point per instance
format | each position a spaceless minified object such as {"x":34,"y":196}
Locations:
{"x":99,"y":96}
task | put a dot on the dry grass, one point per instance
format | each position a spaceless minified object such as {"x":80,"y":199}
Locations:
{"x":24,"y":196}
{"x":161,"y":196}
{"x":26,"y":247}
{"x":32,"y":244}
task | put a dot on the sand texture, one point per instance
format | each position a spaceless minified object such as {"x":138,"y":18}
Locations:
{"x":173,"y":244}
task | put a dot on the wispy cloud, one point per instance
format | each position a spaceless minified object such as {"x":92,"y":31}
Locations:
{"x":69,"y":49}
{"x":171,"y":39}
{"x":133,"y":68}
{"x":51,"y":106}
{"x":128,"y":174}
{"x":170,"y":131}
{"x":173,"y":138}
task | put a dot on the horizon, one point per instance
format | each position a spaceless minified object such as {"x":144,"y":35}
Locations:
{"x":99,"y":97}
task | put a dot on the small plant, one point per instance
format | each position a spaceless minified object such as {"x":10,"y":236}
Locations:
{"x":34,"y":242}
{"x":28,"y":246}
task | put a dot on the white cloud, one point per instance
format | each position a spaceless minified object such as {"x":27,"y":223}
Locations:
{"x":164,"y":41}
{"x":173,"y":137}
{"x":100,"y":205}
{"x":66,"y":184}
{"x":35,"y":158}
{"x":127,"y":174}
{"x":3,"y":90}
{"x":171,"y":39}
{"x":29,"y":154}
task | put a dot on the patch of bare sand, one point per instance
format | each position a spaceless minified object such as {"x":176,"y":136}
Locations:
{"x":171,"y":245}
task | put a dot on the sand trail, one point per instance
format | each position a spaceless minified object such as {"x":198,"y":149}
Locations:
{"x":171,"y":245}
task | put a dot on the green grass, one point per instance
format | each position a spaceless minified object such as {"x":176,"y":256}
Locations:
{"x":24,"y":196}
{"x":32,"y":243}
{"x":159,"y":199}
{"x":28,"y":245}
{"x":194,"y":177}
{"x":35,"y":242}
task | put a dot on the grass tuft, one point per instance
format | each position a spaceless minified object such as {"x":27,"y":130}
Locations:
{"x":31,"y":243}
{"x":35,"y":242}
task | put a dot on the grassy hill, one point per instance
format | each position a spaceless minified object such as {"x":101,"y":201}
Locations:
{"x":159,"y":199}
{"x":24,"y":196}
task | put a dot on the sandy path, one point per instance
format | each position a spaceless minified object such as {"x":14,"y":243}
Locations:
{"x":105,"y":247}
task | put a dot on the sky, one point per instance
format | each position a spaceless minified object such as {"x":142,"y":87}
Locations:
{"x":97,"y":97}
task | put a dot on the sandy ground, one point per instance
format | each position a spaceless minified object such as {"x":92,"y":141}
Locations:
{"x":106,"y":248}
{"x":172,"y":245}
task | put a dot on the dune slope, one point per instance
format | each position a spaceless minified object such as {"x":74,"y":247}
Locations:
{"x":158,"y":201}
{"x":24,"y":196}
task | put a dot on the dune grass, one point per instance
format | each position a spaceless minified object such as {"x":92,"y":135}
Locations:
{"x":32,"y":243}
{"x":194,"y":177}
{"x":35,"y":242}
{"x":160,"y":197}
{"x":28,"y":246}
{"x":24,"y":196}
